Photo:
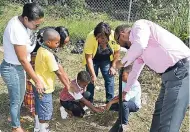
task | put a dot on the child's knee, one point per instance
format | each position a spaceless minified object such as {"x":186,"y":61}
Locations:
{"x":78,"y":112}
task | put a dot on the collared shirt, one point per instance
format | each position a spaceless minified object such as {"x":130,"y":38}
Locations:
{"x":45,"y":67}
{"x":154,"y":46}
{"x":74,"y":93}
{"x":134,"y":94}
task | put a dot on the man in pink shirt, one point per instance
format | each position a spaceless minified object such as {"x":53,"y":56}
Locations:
{"x":150,"y":44}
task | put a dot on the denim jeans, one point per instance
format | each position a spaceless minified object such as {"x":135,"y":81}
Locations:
{"x":127,"y":107}
{"x":15,"y":78}
{"x":173,"y":100}
{"x":43,"y":105}
{"x":108,"y":79}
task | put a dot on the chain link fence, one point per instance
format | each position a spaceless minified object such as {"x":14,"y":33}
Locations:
{"x":81,"y":16}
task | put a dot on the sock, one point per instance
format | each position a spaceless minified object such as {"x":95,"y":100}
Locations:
{"x":37,"y":123}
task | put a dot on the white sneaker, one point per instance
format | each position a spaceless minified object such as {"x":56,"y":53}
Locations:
{"x":46,"y":130}
{"x":64,"y":114}
{"x":85,"y":108}
{"x":36,"y":129}
{"x":44,"y":127}
{"x":125,"y":128}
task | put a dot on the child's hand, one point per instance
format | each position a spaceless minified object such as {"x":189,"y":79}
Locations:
{"x":116,"y":97}
{"x":108,"y":105}
{"x":99,"y":109}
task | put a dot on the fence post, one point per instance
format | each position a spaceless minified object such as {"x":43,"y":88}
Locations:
{"x":129,"y":14}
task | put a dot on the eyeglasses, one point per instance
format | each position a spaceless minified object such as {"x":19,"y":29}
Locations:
{"x":36,"y":25}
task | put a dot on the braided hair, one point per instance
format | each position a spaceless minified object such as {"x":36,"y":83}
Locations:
{"x":64,"y":33}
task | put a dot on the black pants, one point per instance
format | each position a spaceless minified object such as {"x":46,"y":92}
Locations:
{"x":75,"y":106}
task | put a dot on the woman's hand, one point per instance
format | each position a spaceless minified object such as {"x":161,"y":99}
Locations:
{"x":93,"y":79}
{"x":112,"y":71}
{"x":39,"y":87}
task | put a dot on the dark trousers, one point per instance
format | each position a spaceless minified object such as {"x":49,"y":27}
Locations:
{"x":173,"y":100}
{"x":108,"y":79}
{"x":76,"y":107}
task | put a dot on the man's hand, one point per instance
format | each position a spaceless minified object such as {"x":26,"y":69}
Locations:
{"x":112,"y":71}
{"x":119,"y":64}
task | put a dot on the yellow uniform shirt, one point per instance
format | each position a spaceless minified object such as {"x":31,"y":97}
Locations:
{"x":45,"y":67}
{"x":91,"y":45}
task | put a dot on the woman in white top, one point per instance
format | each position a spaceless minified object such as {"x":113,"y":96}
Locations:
{"x":17,"y":47}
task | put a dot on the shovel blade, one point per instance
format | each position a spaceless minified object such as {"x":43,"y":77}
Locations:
{"x":117,"y":127}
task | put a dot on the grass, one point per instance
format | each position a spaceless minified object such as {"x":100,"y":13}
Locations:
{"x":78,"y":27}
{"x":138,"y":122}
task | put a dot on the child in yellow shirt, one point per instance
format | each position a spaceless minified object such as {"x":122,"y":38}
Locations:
{"x":46,"y":68}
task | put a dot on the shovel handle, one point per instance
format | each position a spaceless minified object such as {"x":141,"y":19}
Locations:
{"x":120,"y":95}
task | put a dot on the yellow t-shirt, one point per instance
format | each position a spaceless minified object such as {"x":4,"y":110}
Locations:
{"x":45,"y":67}
{"x":91,"y":45}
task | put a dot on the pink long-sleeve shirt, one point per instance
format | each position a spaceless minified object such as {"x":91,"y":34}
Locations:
{"x":154,"y":46}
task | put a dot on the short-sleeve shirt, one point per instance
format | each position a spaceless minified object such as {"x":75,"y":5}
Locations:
{"x":91,"y":45}
{"x":16,"y":34}
{"x":74,"y":94}
{"x":45,"y":67}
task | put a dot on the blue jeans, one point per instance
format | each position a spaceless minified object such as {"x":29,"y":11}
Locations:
{"x":109,"y":79}
{"x":15,"y":78}
{"x":173,"y":100}
{"x":127,"y":107}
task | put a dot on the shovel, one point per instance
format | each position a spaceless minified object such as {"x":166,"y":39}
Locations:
{"x":117,"y":127}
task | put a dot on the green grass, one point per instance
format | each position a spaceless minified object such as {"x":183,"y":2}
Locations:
{"x":138,"y":122}
{"x":7,"y":13}
{"x":78,"y":27}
